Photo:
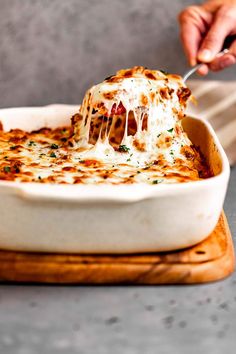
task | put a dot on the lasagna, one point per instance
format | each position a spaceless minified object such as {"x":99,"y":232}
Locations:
{"x":128,"y":130}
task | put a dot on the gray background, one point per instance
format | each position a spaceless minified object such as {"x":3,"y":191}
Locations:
{"x":52,"y":50}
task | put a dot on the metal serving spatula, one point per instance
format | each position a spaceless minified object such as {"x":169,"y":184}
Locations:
{"x":196,"y":67}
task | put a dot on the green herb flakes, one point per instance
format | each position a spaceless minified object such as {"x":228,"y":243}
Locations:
{"x":32,"y":143}
{"x":124,"y":148}
{"x":164,"y":72}
{"x":7,"y":169}
{"x":157,"y":181}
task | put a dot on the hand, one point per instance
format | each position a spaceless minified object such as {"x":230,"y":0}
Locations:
{"x":204,"y":29}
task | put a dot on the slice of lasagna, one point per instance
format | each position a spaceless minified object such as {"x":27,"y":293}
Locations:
{"x":128,"y":130}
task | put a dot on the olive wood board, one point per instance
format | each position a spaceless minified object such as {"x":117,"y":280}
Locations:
{"x":210,"y":260}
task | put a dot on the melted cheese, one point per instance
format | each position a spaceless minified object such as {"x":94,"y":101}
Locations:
{"x":127,"y":131}
{"x":45,"y":156}
{"x":148,"y":106}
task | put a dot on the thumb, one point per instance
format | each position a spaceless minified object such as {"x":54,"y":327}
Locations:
{"x":214,"y":40}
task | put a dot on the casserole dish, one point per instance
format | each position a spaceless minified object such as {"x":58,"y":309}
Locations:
{"x":107,"y":218}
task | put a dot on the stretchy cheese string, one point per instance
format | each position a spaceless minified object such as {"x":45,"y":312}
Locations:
{"x":128,"y":131}
{"x":141,"y":94}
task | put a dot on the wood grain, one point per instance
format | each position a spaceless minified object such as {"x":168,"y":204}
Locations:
{"x":210,"y":260}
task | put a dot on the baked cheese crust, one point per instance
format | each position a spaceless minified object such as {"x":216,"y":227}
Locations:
{"x":128,"y":131}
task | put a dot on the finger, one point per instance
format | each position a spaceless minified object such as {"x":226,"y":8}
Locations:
{"x":232,"y":49}
{"x":193,"y":24}
{"x":203,"y":70}
{"x":224,"y":61}
{"x":214,"y":40}
{"x":191,"y":39}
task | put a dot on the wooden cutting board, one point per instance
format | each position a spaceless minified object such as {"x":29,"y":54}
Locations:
{"x":210,"y":260}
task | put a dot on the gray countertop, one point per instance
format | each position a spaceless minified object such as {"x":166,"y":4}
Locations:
{"x":122,"y":319}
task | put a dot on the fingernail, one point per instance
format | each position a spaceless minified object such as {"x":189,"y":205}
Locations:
{"x":205,"y":55}
{"x":192,"y":62}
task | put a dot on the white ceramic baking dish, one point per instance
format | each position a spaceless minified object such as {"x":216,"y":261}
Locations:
{"x":109,"y":219}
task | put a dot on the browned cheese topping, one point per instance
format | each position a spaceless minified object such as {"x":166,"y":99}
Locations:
{"x":128,"y":131}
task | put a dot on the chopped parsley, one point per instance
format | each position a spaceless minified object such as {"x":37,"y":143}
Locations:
{"x":54,"y":146}
{"x":108,"y":77}
{"x":138,"y":171}
{"x":39,"y":177}
{"x":128,"y":160}
{"x":53,"y":154}
{"x":164,"y":72}
{"x":170,"y":130}
{"x":159,"y":135}
{"x":32,"y":143}
{"x":7,"y":169}
{"x":124,"y":148}
{"x":13,"y":147}
{"x":157,"y":181}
